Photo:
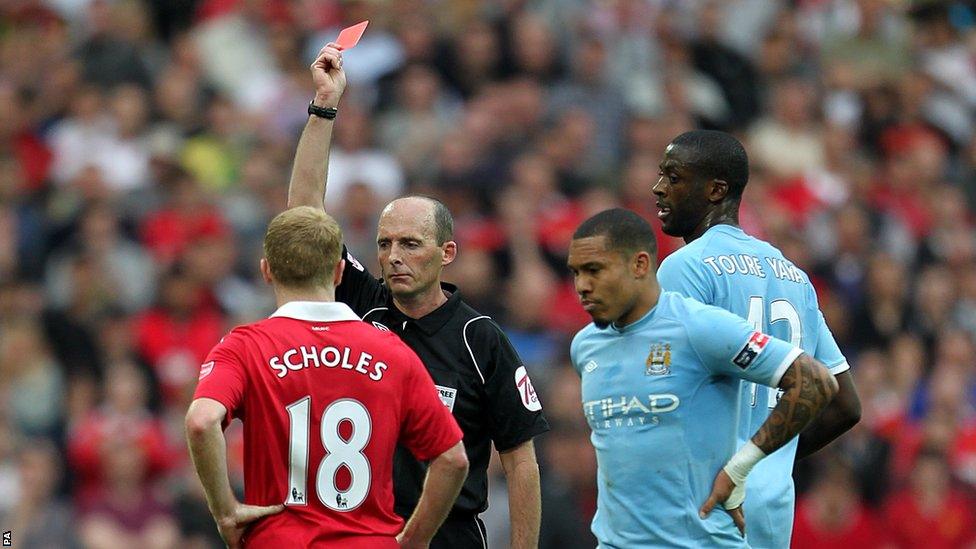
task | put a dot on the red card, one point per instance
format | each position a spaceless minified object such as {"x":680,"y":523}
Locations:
{"x":350,"y":36}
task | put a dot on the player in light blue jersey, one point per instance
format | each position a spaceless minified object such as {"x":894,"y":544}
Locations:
{"x":660,"y":387}
{"x":702,"y":177}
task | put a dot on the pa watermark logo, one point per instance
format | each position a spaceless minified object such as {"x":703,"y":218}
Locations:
{"x":8,"y":538}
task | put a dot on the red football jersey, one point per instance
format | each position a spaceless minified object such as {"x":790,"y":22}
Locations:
{"x":325,"y":398}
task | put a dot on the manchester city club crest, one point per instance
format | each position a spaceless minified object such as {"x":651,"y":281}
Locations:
{"x":658,"y":360}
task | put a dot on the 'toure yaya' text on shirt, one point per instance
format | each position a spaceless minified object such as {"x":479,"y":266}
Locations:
{"x":751,"y":265}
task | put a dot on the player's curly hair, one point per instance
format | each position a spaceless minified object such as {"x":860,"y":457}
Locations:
{"x":303,"y":245}
{"x":718,"y":155}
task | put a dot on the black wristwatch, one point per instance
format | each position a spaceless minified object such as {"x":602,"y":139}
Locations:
{"x":328,"y":113}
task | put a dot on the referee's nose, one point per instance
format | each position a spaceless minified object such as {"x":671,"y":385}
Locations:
{"x":394,"y":258}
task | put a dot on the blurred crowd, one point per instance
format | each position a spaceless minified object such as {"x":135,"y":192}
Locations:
{"x":144,"y":146}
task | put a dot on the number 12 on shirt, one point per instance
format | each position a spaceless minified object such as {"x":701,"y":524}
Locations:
{"x":339,"y":452}
{"x":779,"y":310}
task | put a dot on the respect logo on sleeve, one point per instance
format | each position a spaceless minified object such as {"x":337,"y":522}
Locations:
{"x":753,"y":348}
{"x":526,"y":391}
{"x":205,"y":369}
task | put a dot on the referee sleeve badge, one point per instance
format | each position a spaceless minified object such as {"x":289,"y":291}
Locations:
{"x":526,"y":392}
{"x":354,"y":262}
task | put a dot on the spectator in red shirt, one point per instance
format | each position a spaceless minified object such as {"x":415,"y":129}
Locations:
{"x":128,"y":514}
{"x":123,"y":417}
{"x":930,"y":512}
{"x":18,"y":138}
{"x":832,"y":515}
{"x":186,"y":217}
{"x":175,"y":335}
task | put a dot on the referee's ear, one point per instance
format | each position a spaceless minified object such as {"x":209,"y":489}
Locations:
{"x":450,"y":249}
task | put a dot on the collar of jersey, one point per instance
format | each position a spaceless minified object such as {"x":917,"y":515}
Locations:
{"x":316,"y":311}
{"x":433,"y":321}
{"x":725,"y":227}
{"x":640,"y":321}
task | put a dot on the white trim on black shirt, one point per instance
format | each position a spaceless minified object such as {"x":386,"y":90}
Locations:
{"x":464,"y":336}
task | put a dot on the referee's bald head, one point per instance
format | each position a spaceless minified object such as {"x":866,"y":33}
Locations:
{"x":440,"y":220}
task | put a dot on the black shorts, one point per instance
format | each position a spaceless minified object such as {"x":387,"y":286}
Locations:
{"x":461,"y":533}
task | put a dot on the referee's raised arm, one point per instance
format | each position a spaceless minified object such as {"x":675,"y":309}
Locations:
{"x":478,"y":374}
{"x":308,"y":175}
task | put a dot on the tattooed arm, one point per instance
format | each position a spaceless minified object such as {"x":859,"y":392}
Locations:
{"x":840,"y":415}
{"x":807,"y":389}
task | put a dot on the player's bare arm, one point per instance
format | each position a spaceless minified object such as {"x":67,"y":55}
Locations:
{"x":441,"y":487}
{"x":843,"y":413}
{"x":208,"y":449}
{"x":307,"y":185}
{"x":524,"y":499}
{"x":808,"y":388}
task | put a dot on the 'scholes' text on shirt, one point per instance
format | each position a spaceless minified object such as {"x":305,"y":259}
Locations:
{"x":304,"y":357}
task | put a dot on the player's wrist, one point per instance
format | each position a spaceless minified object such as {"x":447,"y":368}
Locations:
{"x":414,"y":534}
{"x":742,"y":462}
{"x":326,"y":100}
{"x":225,"y":521}
{"x":406,"y":540}
{"x":225,"y":513}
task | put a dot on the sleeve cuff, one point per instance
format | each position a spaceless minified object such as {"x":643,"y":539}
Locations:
{"x":781,"y":369}
{"x":223,"y":401}
{"x":840,"y":368}
{"x":445,"y":444}
{"x":539,"y":427}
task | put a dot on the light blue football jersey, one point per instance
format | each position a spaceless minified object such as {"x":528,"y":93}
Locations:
{"x":661,"y":398}
{"x":728,"y":268}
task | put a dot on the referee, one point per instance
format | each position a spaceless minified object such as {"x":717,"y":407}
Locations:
{"x":477,"y":372}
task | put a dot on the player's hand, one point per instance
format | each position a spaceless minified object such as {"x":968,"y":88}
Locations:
{"x":232,"y":527}
{"x":328,"y":76}
{"x":730,"y":496}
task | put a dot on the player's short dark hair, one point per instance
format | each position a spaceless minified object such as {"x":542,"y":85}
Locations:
{"x":718,"y":155}
{"x":625,"y":231}
{"x":443,"y":220}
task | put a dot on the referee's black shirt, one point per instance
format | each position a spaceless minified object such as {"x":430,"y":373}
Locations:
{"x":477,"y":372}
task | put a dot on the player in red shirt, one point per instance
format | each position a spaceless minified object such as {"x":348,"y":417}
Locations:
{"x":325,"y":398}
